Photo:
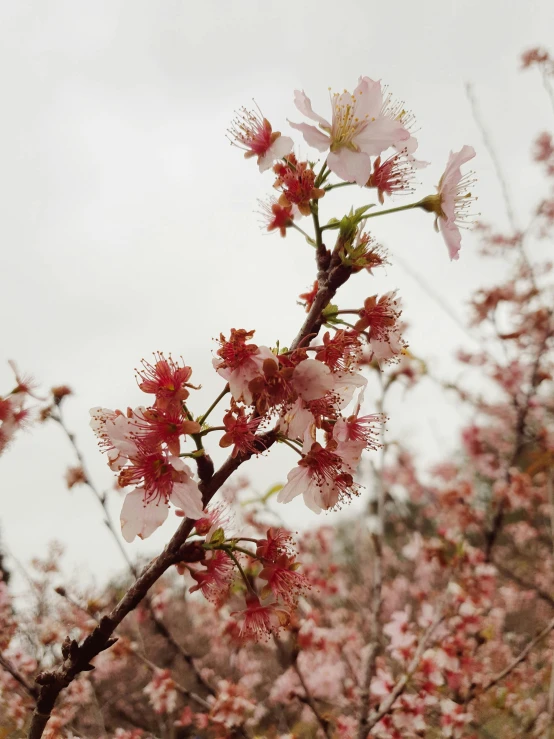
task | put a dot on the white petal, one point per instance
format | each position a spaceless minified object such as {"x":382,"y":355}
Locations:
{"x":312,"y":379}
{"x":187,"y":497}
{"x":139,"y":518}
{"x":304,"y":105}
{"x":350,"y":166}
{"x":278,"y":149}
{"x":312,"y":135}
{"x":298,"y":480}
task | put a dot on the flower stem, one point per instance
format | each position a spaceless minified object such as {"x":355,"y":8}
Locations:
{"x":293,"y":224}
{"x":339,"y":184}
{"x":289,"y":443}
{"x":221,"y":395}
{"x":212,"y":428}
{"x":374,"y":214}
{"x":242,"y":572}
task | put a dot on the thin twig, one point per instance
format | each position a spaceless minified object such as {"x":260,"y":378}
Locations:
{"x":18,"y":677}
{"x":325,"y":727}
{"x":331,"y":275}
{"x":476,"y":692}
{"x":378,"y":509}
{"x":400,"y":686}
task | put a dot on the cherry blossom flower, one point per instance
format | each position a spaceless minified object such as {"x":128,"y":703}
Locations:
{"x":258,"y":622}
{"x":159,"y":476}
{"x":283,"y":581}
{"x":321,"y":477}
{"x":167,"y":380}
{"x":165,"y":479}
{"x":307,"y":299}
{"x":239,"y":432}
{"x":452,"y":201}
{"x":296,"y":180}
{"x":276,"y":543}
{"x":312,"y":379}
{"x":239,"y":363}
{"x":161,"y":692}
{"x":214,"y":581}
{"x":381,"y":316}
{"x":231,"y":706}
{"x":253,"y":133}
{"x":275,"y":216}
{"x":361,"y":127}
{"x":393,"y":175}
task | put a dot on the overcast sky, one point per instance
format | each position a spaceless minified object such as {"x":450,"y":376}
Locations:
{"x":128,"y":222}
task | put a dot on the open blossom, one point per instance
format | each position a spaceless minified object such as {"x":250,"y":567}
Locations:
{"x":215,"y":580}
{"x":253,"y":133}
{"x":452,"y":201}
{"x":159,"y":476}
{"x":312,"y":379}
{"x":240,"y":432}
{"x":283,"y":581}
{"x":275,"y":215}
{"x":239,"y":363}
{"x":231,"y":706}
{"x":161,"y":692}
{"x":321,"y":477}
{"x":165,"y":379}
{"x":381,"y":318}
{"x":258,"y":622}
{"x":393,"y":175}
{"x":296,"y":180}
{"x":362,"y":125}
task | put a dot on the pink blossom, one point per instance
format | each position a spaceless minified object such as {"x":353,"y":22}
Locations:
{"x":362,"y":125}
{"x":239,"y":363}
{"x":312,"y":379}
{"x":253,"y":133}
{"x":321,"y":477}
{"x":160,"y":478}
{"x":452,"y":201}
{"x":161,"y":692}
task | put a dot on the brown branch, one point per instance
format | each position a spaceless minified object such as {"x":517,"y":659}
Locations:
{"x":77,"y":657}
{"x":180,"y":688}
{"x":325,"y":726}
{"x":475,"y":692}
{"x":400,"y":686}
{"x":205,"y":472}
{"x":377,"y":509}
{"x":523,"y":410}
{"x":6,"y":665}
{"x":540,"y":593}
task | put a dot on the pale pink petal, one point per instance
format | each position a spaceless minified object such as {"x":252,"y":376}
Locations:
{"x":187,"y":497}
{"x":345,"y":385}
{"x":278,"y":149}
{"x":370,"y":101}
{"x":304,"y":105}
{"x":452,"y":237}
{"x":351,"y":453}
{"x":312,"y":379}
{"x":298,"y":481}
{"x":312,"y":135}
{"x":139,"y":518}
{"x":120,"y":431}
{"x":297,"y":420}
{"x":455,"y":161}
{"x":381,"y":133}
{"x":350,"y":166}
{"x":409,"y":146}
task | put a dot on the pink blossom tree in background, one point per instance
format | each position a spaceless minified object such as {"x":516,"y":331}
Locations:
{"x":432,"y":614}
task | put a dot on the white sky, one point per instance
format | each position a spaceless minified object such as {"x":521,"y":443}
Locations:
{"x":128,"y":221}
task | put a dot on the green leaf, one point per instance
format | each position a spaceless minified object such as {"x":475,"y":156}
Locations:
{"x":218,"y":536}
